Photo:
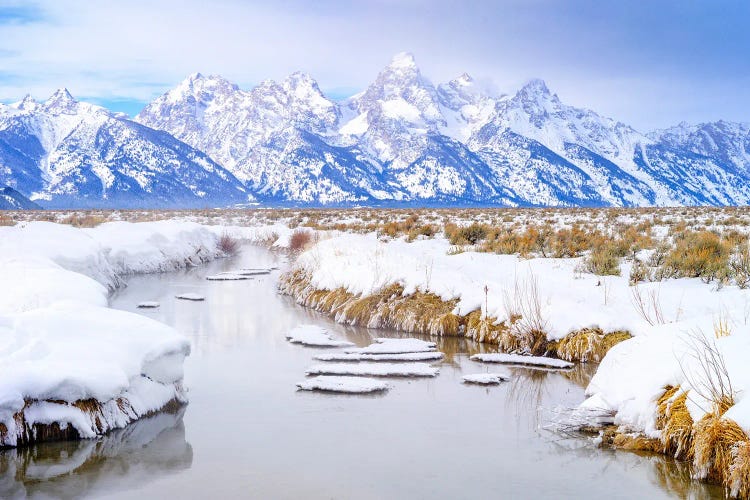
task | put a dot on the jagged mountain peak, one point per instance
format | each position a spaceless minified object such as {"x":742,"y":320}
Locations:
{"x":535,"y":86}
{"x":28,"y":103}
{"x":403,"y":61}
{"x":60,"y":101}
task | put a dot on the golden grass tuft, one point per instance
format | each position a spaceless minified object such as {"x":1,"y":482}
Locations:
{"x":738,"y":479}
{"x":635,"y":442}
{"x":714,"y":439}
{"x":675,"y":422}
{"x":588,"y":344}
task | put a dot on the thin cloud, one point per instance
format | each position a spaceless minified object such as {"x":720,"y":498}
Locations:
{"x":648,"y":67}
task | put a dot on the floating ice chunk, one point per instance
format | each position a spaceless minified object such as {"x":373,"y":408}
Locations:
{"x":374,"y":369}
{"x":407,"y":356}
{"x":314,"y":336}
{"x":517,"y":359}
{"x":395,"y":346}
{"x":190,"y":296}
{"x":148,"y":304}
{"x":486,"y":378}
{"x":250,"y":271}
{"x":227,"y":277}
{"x":349,"y":385}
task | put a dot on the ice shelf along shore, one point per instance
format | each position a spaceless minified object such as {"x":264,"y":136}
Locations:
{"x":70,"y":367}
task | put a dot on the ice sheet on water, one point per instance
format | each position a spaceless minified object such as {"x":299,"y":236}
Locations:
{"x":347,"y":385}
{"x":400,"y":357}
{"x":314,"y":336}
{"x":518,"y":359}
{"x":228,"y":277}
{"x":395,"y":346}
{"x":486,"y":378}
{"x":148,"y":304}
{"x":374,"y":369}
{"x":191,"y":296}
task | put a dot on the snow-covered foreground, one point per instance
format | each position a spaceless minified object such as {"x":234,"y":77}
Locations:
{"x":69,"y":365}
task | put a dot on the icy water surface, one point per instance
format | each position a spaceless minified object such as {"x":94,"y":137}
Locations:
{"x":247,"y":433}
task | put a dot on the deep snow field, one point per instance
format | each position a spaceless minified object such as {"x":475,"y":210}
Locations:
{"x":674,"y":279}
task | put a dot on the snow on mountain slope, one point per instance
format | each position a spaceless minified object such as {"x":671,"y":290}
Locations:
{"x":215,"y":116}
{"x":10,"y":199}
{"x":724,"y":142}
{"x":66,"y":153}
{"x":405,"y":140}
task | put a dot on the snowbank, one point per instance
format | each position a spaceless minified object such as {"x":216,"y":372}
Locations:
{"x":570,"y":300}
{"x":69,"y":365}
{"x":634,"y":375}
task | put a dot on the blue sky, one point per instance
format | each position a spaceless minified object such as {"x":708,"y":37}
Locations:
{"x":648,"y":63}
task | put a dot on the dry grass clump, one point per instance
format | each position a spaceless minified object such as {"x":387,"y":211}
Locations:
{"x":411,"y":227}
{"x":738,"y":479}
{"x":227,"y":244}
{"x":484,"y":329}
{"x":466,"y":235}
{"x":6,"y":220}
{"x":714,"y":439}
{"x":604,"y":260}
{"x":588,"y":344}
{"x":698,"y":255}
{"x":83,"y":220}
{"x":675,"y":422}
{"x":299,"y":240}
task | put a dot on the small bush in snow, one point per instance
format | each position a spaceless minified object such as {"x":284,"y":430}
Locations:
{"x":299,"y":240}
{"x":228,"y":244}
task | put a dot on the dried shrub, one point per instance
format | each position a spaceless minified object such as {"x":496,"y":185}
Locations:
{"x":698,"y":255}
{"x":603,"y":260}
{"x":227,"y":244}
{"x":299,"y":240}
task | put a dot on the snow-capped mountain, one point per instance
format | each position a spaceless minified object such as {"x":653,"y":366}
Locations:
{"x":402,"y":140}
{"x":10,"y":199}
{"x":405,"y":140}
{"x":65,"y":153}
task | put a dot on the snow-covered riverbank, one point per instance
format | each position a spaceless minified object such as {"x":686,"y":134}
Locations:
{"x":688,"y":334}
{"x":70,"y":366}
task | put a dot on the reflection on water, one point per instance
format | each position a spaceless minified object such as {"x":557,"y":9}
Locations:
{"x":252,"y":434}
{"x":149,"y":448}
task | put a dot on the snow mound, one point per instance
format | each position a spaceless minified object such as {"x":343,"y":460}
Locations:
{"x":148,"y":304}
{"x":407,"y":356}
{"x":54,"y":356}
{"x":374,"y":370}
{"x":314,"y":336}
{"x":395,"y":346}
{"x":486,"y":378}
{"x":347,"y":385}
{"x":196,"y":297}
{"x":518,"y":359}
{"x":228,"y":277}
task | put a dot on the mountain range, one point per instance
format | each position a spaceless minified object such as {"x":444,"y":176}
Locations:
{"x":402,"y":141}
